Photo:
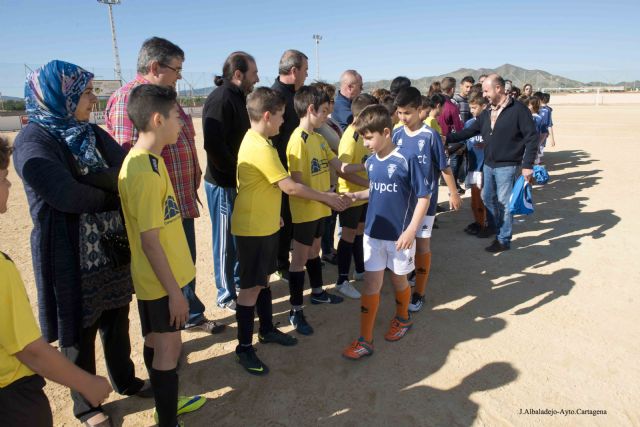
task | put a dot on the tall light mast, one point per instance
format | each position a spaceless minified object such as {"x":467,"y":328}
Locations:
{"x":317,"y":38}
{"x":116,"y":56}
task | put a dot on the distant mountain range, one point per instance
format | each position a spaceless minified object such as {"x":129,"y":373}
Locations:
{"x":518,"y":75}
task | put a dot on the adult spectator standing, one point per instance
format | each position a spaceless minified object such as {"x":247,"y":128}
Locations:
{"x":69,"y":169}
{"x":481,"y":78}
{"x":510,"y":143}
{"x":350,"y":88}
{"x":160,"y":63}
{"x":225,"y":121}
{"x":461,"y":99}
{"x":449,"y":121}
{"x":292,"y":72}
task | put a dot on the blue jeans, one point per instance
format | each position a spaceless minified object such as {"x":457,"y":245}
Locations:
{"x":196,"y":307}
{"x":225,"y":262}
{"x":496,"y":192}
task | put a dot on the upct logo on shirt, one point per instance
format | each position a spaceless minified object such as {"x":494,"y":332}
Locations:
{"x":171,"y":210}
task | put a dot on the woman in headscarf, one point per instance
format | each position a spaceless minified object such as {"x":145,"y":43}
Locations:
{"x":70,"y":168}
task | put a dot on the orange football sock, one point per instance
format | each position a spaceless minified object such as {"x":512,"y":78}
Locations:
{"x":403,"y":298}
{"x":423,"y":267}
{"x":368,"y":310}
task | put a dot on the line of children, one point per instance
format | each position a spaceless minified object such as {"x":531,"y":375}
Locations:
{"x":309,"y":158}
{"x":256,"y":220}
{"x":475,"y":162}
{"x":398,"y":197}
{"x":416,"y":139}
{"x":352,"y":150}
{"x":161,"y":262}
{"x":25,"y":357}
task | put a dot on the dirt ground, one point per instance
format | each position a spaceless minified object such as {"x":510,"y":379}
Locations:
{"x":551,"y":325}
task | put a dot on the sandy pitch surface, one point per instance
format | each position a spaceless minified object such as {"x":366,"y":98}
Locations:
{"x":549,"y":325}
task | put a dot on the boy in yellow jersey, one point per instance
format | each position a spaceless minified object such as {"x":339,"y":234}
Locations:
{"x":25,"y":357}
{"x":161,"y":263}
{"x":255,"y":223}
{"x":352,"y":150}
{"x":435,"y":103}
{"x":309,"y":158}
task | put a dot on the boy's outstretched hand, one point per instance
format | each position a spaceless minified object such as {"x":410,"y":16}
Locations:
{"x":97,"y":390}
{"x":337,"y":202}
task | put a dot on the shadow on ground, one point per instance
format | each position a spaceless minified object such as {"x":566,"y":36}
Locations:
{"x":470,"y":294}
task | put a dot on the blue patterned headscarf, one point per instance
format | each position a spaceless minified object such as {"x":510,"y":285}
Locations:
{"x":51,"y":94}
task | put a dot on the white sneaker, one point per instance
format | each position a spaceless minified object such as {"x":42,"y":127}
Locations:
{"x":417,"y":302}
{"x":347,"y":289}
{"x":358,"y":276}
{"x":229,"y":305}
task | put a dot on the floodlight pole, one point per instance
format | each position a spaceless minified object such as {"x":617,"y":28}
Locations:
{"x":317,"y":38}
{"x":116,"y":55}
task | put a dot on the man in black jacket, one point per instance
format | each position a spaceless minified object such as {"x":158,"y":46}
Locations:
{"x":225,"y":121}
{"x":292,"y":72}
{"x":510,"y":143}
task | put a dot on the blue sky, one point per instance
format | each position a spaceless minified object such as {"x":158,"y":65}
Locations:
{"x":381,"y":39}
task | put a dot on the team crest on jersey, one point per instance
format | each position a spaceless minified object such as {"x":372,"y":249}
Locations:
{"x":399,"y":143}
{"x":315,"y":166}
{"x":171,"y":209}
{"x":421,"y":144}
{"x":370,"y":167}
{"x":391,"y":169}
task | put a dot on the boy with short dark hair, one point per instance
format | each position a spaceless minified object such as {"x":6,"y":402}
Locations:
{"x":547,"y":122}
{"x":352,"y":150}
{"x":161,"y":262}
{"x":389,"y":104}
{"x":25,"y":357}
{"x":417,"y":139}
{"x":475,"y":161}
{"x":256,"y":222}
{"x":435,"y":103}
{"x":398,"y":197}
{"x":309,"y":158}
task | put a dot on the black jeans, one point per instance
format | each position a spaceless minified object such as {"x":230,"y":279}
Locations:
{"x":114,"y":333}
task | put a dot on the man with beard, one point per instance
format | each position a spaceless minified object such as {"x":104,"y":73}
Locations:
{"x":225,"y":121}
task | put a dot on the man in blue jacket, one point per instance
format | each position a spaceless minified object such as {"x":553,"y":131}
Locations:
{"x":510,"y":144}
{"x":350,"y":88}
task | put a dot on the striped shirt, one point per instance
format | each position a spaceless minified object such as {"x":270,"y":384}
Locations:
{"x":181,"y":158}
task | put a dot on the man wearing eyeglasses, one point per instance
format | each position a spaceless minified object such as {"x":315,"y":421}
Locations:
{"x":160,"y":63}
{"x":350,"y":88}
